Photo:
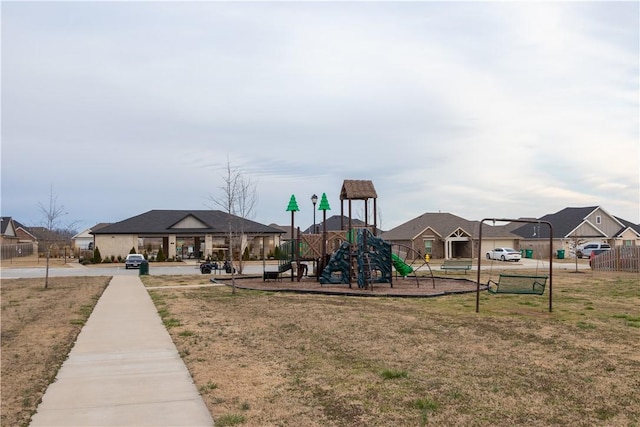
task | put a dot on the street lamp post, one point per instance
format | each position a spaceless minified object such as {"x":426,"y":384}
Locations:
{"x":314,"y":200}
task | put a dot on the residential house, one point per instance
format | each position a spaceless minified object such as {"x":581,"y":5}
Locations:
{"x":574,"y":226}
{"x":25,"y":235}
{"x":84,"y":240}
{"x":207,"y":231}
{"x":16,"y":240}
{"x":8,"y":234}
{"x":447,"y":236}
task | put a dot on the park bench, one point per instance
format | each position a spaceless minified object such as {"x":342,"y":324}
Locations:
{"x":276,"y":274}
{"x":518,"y":284}
{"x":456,"y":264}
{"x":271,"y":275}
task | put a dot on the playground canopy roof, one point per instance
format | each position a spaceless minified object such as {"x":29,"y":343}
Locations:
{"x":353,"y":189}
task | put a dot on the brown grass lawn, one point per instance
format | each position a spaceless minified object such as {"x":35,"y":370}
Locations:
{"x":39,"y":327}
{"x":281,"y":359}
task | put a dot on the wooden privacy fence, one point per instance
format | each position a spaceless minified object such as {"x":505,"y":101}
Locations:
{"x":624,"y":258}
{"x":16,"y":250}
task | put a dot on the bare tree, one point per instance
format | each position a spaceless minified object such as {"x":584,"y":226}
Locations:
{"x":360,"y":214}
{"x":574,"y":243}
{"x":238,"y":200}
{"x":52,"y":213}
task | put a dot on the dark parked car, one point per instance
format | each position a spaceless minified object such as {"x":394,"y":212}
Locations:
{"x":133,"y":261}
{"x":208,"y":267}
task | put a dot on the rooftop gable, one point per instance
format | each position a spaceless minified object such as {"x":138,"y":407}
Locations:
{"x":626,"y":225}
{"x":571,"y":222}
{"x":7,"y":226}
{"x":87,"y":233}
{"x":190,"y":221}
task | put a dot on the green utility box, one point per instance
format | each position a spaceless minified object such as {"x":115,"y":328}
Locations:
{"x":560,"y":253}
{"x":529,"y":253}
{"x":144,"y":268}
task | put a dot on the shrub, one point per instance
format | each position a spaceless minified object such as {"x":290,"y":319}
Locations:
{"x":245,"y":254}
{"x":160,"y":257}
{"x":133,"y":250}
{"x":97,"y":258}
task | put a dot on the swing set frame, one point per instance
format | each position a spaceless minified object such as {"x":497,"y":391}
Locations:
{"x":526,"y":221}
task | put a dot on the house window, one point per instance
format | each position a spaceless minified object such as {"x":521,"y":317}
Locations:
{"x":428,"y":247}
{"x":628,"y":242}
{"x":598,"y":219}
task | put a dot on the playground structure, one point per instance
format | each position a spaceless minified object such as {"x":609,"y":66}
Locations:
{"x":358,"y":255}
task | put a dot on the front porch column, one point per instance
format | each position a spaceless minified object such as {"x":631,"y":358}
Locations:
{"x":172,"y":251}
{"x":208,"y":245}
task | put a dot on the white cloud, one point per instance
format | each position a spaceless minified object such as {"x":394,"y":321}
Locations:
{"x":480,"y":109}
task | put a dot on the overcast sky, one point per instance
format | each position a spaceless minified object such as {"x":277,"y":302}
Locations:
{"x":481,"y":109}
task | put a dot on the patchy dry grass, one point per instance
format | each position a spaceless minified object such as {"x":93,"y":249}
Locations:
{"x":278,"y":359}
{"x":39,"y":327}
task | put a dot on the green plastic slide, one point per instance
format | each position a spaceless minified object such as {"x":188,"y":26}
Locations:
{"x":401,"y":267}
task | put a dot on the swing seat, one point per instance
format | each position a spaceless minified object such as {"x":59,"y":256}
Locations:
{"x":517,"y":284}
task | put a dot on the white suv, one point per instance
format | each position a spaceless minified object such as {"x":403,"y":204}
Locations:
{"x":586,"y":250}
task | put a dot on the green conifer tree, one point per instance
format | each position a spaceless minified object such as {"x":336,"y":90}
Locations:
{"x":160,"y":257}
{"x":97,"y":258}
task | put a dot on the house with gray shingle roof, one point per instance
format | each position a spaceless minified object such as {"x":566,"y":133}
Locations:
{"x":207,"y":231}
{"x":577,"y":225}
{"x":444,"y":235}
{"x":15,"y":240}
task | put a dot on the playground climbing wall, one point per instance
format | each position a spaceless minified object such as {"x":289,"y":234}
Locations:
{"x":372,"y":257}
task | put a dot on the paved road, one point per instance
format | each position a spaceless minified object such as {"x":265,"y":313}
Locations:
{"x":76,"y":269}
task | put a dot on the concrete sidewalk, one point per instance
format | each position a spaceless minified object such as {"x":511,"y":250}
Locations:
{"x":123,"y":370}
